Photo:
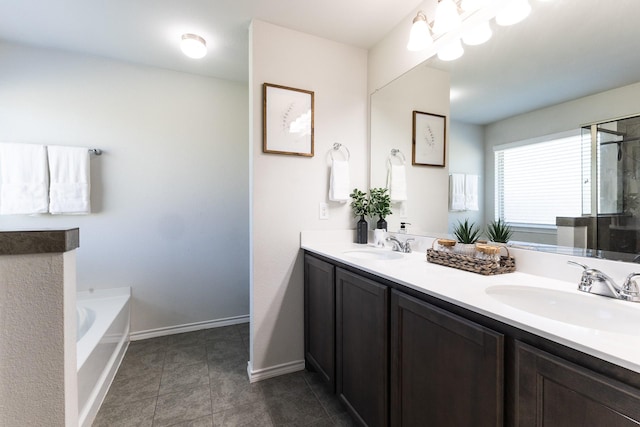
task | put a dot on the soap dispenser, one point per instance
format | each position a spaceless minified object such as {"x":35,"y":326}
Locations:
{"x":403,"y":227}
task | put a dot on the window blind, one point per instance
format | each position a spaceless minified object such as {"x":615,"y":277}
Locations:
{"x":537,"y":182}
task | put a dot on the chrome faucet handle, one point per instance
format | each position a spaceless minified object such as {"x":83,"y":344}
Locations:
{"x":407,"y":246}
{"x":397,"y":245}
{"x":587,"y":276}
{"x":630,"y":289}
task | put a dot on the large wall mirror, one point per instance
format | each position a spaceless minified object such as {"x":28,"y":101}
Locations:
{"x":570,"y":64}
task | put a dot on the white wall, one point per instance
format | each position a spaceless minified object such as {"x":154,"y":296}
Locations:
{"x":422,"y":89}
{"x":466,"y":154}
{"x":170,"y":194}
{"x":286,"y":190}
{"x":567,"y":116}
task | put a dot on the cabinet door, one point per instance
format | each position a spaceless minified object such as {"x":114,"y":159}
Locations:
{"x":319,"y":317}
{"x":554,"y":392}
{"x":445,"y":370}
{"x":362,"y":347}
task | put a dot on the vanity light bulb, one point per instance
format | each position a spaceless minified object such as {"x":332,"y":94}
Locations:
{"x":514,"y":11}
{"x":419,"y":38}
{"x":478,"y":34}
{"x":451,"y":51}
{"x":447,"y":17}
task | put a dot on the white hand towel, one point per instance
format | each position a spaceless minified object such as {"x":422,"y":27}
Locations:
{"x":457,"y":201}
{"x":397,"y":183}
{"x":339,"y":184}
{"x":471,"y":192}
{"x":23,"y":179}
{"x":70,"y":191}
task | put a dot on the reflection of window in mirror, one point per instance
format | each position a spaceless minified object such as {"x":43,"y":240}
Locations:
{"x":537,"y":181}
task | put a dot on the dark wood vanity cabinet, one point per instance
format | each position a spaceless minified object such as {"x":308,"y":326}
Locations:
{"x":551,"y":391}
{"x":362,"y":347}
{"x":445,"y":370}
{"x":320,"y":318}
{"x":401,"y":358}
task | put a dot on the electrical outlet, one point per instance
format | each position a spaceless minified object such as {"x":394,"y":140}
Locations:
{"x":323,"y":210}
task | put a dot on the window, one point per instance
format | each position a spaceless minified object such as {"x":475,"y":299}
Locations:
{"x":539,"y":180}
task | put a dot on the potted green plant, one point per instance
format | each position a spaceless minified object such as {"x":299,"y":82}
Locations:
{"x":467,"y":235}
{"x":380,"y":205}
{"x":499,"y":231}
{"x":360,"y":206}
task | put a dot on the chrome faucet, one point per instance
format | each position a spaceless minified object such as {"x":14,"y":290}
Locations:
{"x":398,"y":246}
{"x":596,"y":282}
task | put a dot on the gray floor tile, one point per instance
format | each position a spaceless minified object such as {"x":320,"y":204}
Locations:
{"x":225,"y":332}
{"x":182,"y":406}
{"x":138,"y":413}
{"x":284,"y":384}
{"x":125,"y":390}
{"x":186,"y":355}
{"x":296,"y":408}
{"x":134,"y":365}
{"x":231,"y":390}
{"x":200,"y":422}
{"x":252,"y":415}
{"x":344,"y":420}
{"x":150,"y":345}
{"x":177,"y":378}
{"x":199,"y":379}
{"x":186,"y":339}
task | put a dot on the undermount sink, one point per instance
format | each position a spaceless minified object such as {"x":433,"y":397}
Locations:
{"x":372,"y":254}
{"x":588,"y":311}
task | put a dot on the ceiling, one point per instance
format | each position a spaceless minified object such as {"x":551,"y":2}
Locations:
{"x":148,"y":31}
{"x":565,"y":50}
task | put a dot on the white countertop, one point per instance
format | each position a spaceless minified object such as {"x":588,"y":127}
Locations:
{"x":467,"y":290}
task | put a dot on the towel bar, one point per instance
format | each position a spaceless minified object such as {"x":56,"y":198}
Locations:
{"x":96,"y":151}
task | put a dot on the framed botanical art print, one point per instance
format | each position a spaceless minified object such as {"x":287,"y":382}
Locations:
{"x":429,"y":136}
{"x":287,"y":120}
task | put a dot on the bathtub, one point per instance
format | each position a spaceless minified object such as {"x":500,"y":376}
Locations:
{"x":102,"y":339}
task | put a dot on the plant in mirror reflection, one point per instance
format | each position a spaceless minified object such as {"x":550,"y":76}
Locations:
{"x":499,"y":231}
{"x":379,"y":202}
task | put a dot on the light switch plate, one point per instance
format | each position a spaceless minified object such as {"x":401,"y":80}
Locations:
{"x":323,"y":210}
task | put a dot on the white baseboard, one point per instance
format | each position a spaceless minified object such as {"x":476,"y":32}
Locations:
{"x":274,"y":371}
{"x":189,"y":327}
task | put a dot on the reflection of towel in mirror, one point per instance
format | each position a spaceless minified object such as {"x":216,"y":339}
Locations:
{"x":397,"y":183}
{"x":471,"y":192}
{"x":339,"y":184}
{"x":70,"y":180}
{"x":457,"y":198}
{"x":23,"y":179}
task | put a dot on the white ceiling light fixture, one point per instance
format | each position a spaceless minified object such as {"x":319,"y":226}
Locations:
{"x":451,"y":51}
{"x":193,"y":46}
{"x":478,"y":34}
{"x":420,"y":37}
{"x":514,"y":11}
{"x":447,"y":17}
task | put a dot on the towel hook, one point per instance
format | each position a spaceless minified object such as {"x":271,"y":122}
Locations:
{"x":337,"y":146}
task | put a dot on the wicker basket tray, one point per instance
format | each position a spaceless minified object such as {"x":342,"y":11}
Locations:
{"x":507,"y":264}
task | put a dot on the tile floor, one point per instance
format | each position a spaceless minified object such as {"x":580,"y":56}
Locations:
{"x":199,"y":379}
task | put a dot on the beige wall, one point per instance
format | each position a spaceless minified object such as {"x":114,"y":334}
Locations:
{"x":38,"y":376}
{"x":286,"y":190}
